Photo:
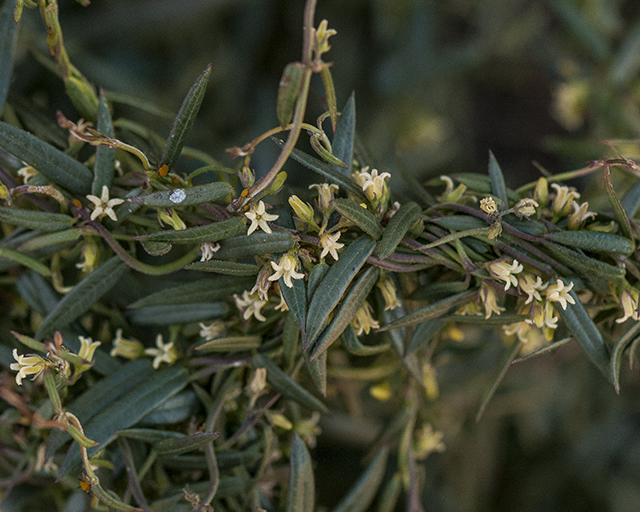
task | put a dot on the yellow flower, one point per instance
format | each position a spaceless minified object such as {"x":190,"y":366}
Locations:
{"x":330,"y":245}
{"x":171,"y":217}
{"x":579,"y":215}
{"x":164,"y":353}
{"x":373,"y":184}
{"x":130,"y":349}
{"x":428,"y":442}
{"x":629,"y":302}
{"x":27,"y":365}
{"x":389,"y":293}
{"x":525,"y":208}
{"x":325,"y":194}
{"x":211,"y":331}
{"x":488,"y":205}
{"x":563,"y":200}
{"x":103,"y":206}
{"x":489,"y":300}
{"x":259,"y":218}
{"x":286,"y":269}
{"x":87,"y":348}
{"x":251,"y":304}
{"x":559,"y":292}
{"x":363,"y":321}
{"x":505,"y":271}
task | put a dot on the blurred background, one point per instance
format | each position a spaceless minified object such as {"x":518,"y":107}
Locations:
{"x":437,"y":84}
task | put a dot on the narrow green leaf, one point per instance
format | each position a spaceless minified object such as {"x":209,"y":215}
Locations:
{"x":616,"y":356}
{"x":342,"y":145}
{"x":40,"y":221}
{"x":148,"y":435}
{"x":185,"y":119}
{"x":25,"y":261}
{"x":391,"y":493}
{"x":127,"y":411}
{"x":82,"y":296}
{"x":231,"y":344}
{"x":586,"y":266}
{"x":627,"y":60}
{"x":360,"y":216}
{"x":352,"y":344}
{"x":59,"y":237}
{"x":631,"y":200}
{"x":177,"y":313}
{"x":315,"y":277}
{"x":288,"y":92}
{"x":49,"y":161}
{"x":209,"y":233}
{"x":186,"y":196}
{"x":8,"y":33}
{"x":618,"y":210}
{"x":456,"y":236}
{"x":586,"y":334}
{"x":481,"y":183}
{"x":290,"y":339}
{"x":318,"y":372}
{"x":229,"y":268}
{"x":296,"y":299}
{"x":595,"y":241}
{"x":284,"y":385}
{"x":301,"y":496}
{"x":254,"y":244}
{"x":459,"y":222}
{"x":397,"y":228}
{"x":347,"y":310}
{"x":105,"y":156}
{"x":425,"y":332}
{"x":498,"y":187}
{"x":204,"y":290}
{"x":178,"y":445}
{"x":366,"y":487}
{"x":334,"y":284}
{"x":436,"y":310}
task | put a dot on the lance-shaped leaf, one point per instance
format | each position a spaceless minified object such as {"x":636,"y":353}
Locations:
{"x":631,"y":200}
{"x":342,"y":146}
{"x":288,"y":92}
{"x":59,"y":237}
{"x":435,"y":310}
{"x":127,"y":411}
{"x":583,"y":264}
{"x":315,"y":277}
{"x":397,"y":228}
{"x":318,"y":372}
{"x":105,"y":156}
{"x":177,"y":313}
{"x":301,"y":496}
{"x":360,"y":216}
{"x":231,"y":344}
{"x":229,"y":268}
{"x":425,"y":332}
{"x":366,"y":487}
{"x":204,"y":290}
{"x":40,"y":221}
{"x":345,"y":313}
{"x":586,"y":333}
{"x":286,"y":386}
{"x":498,"y":187}
{"x":148,"y":435}
{"x":595,"y":241}
{"x":49,"y":161}
{"x":209,"y":233}
{"x":254,"y":244}
{"x":25,"y":261}
{"x":334,"y":284}
{"x":178,"y":445}
{"x":481,"y":183}
{"x":296,"y":299}
{"x":621,"y":345}
{"x":618,"y":210}
{"x":186,"y":196}
{"x":8,"y":33}
{"x":352,"y":344}
{"x":185,"y":119}
{"x":82,"y":296}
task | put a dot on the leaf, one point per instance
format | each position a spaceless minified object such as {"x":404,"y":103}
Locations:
{"x":425,"y":332}
{"x":315,"y":277}
{"x":82,"y":296}
{"x":209,"y":233}
{"x":364,"y":490}
{"x":335,"y":283}
{"x":436,"y":310}
{"x":42,"y":241}
{"x":49,"y":161}
{"x":317,"y":370}
{"x":585,"y":265}
{"x":595,"y":241}
{"x":148,"y":435}
{"x":397,"y":228}
{"x":631,"y":200}
{"x":586,"y":333}
{"x":184,"y":120}
{"x":231,"y":344}
{"x":40,"y":221}
{"x":186,"y":196}
{"x":301,"y":496}
{"x":105,"y":156}
{"x":352,"y":344}
{"x":177,"y":313}
{"x":618,"y":210}
{"x":288,"y":92}
{"x":360,"y":216}
{"x":498,"y":187}
{"x":127,"y":411}
{"x":342,"y":146}
{"x":229,"y":268}
{"x":296,"y":299}
{"x":284,"y":385}
{"x":347,"y":310}
{"x":25,"y":261}
{"x":627,"y":60}
{"x":255,"y":244}
{"x":621,"y":345}
{"x":481,"y":183}
{"x":8,"y":33}
{"x":204,"y":290}
{"x":178,"y":445}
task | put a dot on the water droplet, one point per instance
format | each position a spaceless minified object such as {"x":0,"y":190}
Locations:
{"x":177,"y":195}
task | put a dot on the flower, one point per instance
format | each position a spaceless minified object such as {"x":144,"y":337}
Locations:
{"x":208,"y":250}
{"x":165,"y":353}
{"x":27,"y":365}
{"x":325,"y":194}
{"x":283,"y":306}
{"x":389,"y":293}
{"x":541,"y":191}
{"x":373,"y":185}
{"x":171,"y":217}
{"x":559,"y":292}
{"x":563,"y":200}
{"x":330,"y":245}
{"x":502,"y":270}
{"x":363,"y":321}
{"x":91,"y":255}
{"x":527,"y":334}
{"x":103,"y":205}
{"x":303,"y":210}
{"x":530,"y":287}
{"x":451,"y":195}
{"x":87,"y":348}
{"x":428,"y":442}
{"x":629,"y":302}
{"x":27,"y":172}
{"x":489,"y":300}
{"x":543,"y":314}
{"x":129,"y":349}
{"x":579,"y":215}
{"x":488,"y":205}
{"x":525,"y":208}
{"x":251,"y":304}
{"x":259,"y":218}
{"x":286,"y":269}
{"x":209,"y":332}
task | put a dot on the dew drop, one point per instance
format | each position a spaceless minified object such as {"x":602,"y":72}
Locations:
{"x":177,"y":195}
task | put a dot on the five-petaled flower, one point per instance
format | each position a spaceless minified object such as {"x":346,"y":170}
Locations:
{"x":373,"y":184}
{"x":505,"y":271}
{"x":87,"y":348}
{"x":103,"y":206}
{"x":559,"y":292}
{"x":330,"y":245}
{"x":164,"y":353}
{"x":286,"y":269}
{"x":489,"y":300}
{"x":532,"y":286}
{"x":388,"y":290}
{"x":27,"y":365}
{"x":564,"y":199}
{"x":364,"y":321}
{"x":251,"y":303}
{"x":579,"y":215}
{"x":259,"y":218}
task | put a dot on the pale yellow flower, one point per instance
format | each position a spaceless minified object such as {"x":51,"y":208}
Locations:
{"x":488,"y":205}
{"x":489,"y":300}
{"x":363,"y":321}
{"x":27,"y":172}
{"x":451,"y":195}
{"x":373,"y":184}
{"x":389,"y":293}
{"x":171,"y":217}
{"x":103,"y":206}
{"x":286,"y":269}
{"x":250,"y":304}
{"x":564,"y":198}
{"x":559,"y":292}
{"x":164,"y":353}
{"x":427,"y":442}
{"x":532,"y":286}
{"x":525,"y":208}
{"x":259,"y":218}
{"x":27,"y":365}
{"x":506,"y":272}
{"x":208,"y":249}
{"x":579,"y":215}
{"x":330,"y":244}
{"x":87,"y":348}
{"x":129,"y":349}
{"x":303,"y":210}
{"x":212,"y":331}
{"x":325,"y":194}
{"x":629,"y":303}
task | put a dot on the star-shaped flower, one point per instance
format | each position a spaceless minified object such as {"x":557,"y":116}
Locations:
{"x":330,"y":245}
{"x":286,"y":269}
{"x":629,"y":302}
{"x":558,"y":292}
{"x":532,"y":286}
{"x":364,"y":321}
{"x":251,"y":303}
{"x":103,"y":206}
{"x":373,"y":184}
{"x":165,"y":353}
{"x":505,"y":271}
{"x":259,"y":218}
{"x":27,"y":365}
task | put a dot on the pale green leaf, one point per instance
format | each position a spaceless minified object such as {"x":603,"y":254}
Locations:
{"x":301,"y":496}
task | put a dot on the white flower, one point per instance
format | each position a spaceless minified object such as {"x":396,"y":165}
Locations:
{"x":325,"y":194}
{"x":259,"y":218}
{"x":363,"y":321}
{"x":373,"y":184}
{"x":214,"y":330}
{"x":87,"y":348}
{"x":579,"y":215}
{"x":27,"y":172}
{"x":251,"y":304}
{"x":488,"y":205}
{"x":330,"y":245}
{"x":489,"y":301}
{"x":165,"y":353}
{"x":286,"y":269}
{"x":208,"y":250}
{"x":103,"y":205}
{"x":129,"y":349}
{"x":283,"y":306}
{"x":558,"y":292}
{"x":564,"y":198}
{"x":530,"y":287}
{"x":27,"y":365}
{"x":629,"y":302}
{"x":502,"y":270}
